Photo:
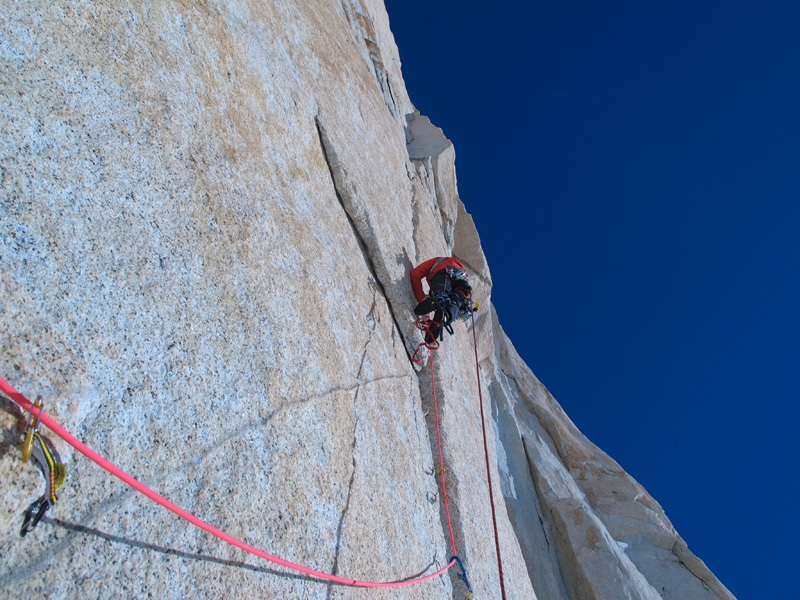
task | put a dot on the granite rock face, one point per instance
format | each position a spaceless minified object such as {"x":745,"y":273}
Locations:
{"x":208,"y":214}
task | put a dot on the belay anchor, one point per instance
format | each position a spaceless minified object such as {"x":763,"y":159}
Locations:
{"x":49,"y":464}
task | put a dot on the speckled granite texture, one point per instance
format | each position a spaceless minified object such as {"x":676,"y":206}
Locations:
{"x":208,"y":214}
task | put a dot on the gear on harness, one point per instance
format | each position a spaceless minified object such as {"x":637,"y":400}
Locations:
{"x":449,"y":312}
{"x":469,"y":311}
{"x":49,"y":463}
{"x":449,"y":295}
{"x":453,"y":306}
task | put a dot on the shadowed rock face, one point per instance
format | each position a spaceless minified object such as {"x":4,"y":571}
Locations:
{"x":208,"y":215}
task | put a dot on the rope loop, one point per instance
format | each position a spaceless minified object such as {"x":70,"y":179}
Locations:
{"x":424,"y":325}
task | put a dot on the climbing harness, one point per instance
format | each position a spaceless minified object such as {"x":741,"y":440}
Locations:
{"x":450,"y":307}
{"x":65,"y":435}
{"x":442,"y":300}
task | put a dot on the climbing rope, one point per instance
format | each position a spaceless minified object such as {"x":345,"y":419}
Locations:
{"x":39,"y":415}
{"x":440,"y":470}
{"x":423,"y":324}
{"x":488,"y":470}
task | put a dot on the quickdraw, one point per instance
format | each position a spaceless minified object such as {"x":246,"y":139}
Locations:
{"x":463,"y":576}
{"x":49,"y":463}
{"x":31,"y":428}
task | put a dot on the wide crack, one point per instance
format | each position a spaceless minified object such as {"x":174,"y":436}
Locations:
{"x":338,"y":178}
{"x":426,"y":388}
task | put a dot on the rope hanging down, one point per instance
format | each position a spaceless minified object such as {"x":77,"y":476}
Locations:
{"x":488,"y":471}
{"x":440,"y":470}
{"x":48,"y":421}
{"x":424,"y":324}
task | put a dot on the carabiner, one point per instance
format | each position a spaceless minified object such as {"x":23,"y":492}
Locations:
{"x":463,"y":575}
{"x":32,"y":427}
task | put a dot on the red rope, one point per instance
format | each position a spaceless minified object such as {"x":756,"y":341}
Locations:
{"x":424,"y":325}
{"x":488,"y":470}
{"x":445,"y":499}
{"x":27,"y":405}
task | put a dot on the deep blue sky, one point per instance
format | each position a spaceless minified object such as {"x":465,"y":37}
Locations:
{"x":634,"y":172}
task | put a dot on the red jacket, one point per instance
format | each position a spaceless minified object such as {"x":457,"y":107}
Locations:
{"x":427,"y":270}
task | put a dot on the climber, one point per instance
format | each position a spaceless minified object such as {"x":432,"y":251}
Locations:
{"x":449,"y":296}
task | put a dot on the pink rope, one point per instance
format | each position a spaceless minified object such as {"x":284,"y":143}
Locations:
{"x":27,"y":405}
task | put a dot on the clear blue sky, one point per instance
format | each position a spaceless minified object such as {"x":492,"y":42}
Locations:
{"x":634,"y":172}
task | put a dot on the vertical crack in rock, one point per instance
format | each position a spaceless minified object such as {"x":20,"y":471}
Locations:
{"x":539,"y":514}
{"x":415,"y":219}
{"x":372,"y":325}
{"x":363,"y":30}
{"x":433,"y":158}
{"x":427,"y":390}
{"x":335,"y":568}
{"x":338,"y":176}
{"x":549,"y":575}
{"x":699,"y":569}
